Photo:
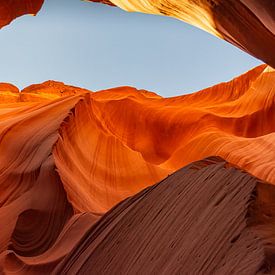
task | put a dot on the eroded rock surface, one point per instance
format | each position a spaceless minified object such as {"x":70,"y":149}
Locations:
{"x":209,"y":217}
{"x":69,"y":155}
{"x":11,"y":9}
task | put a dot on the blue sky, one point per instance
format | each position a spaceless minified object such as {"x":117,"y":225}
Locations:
{"x":97,"y":47}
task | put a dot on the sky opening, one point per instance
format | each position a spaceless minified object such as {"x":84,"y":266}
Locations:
{"x":96,"y":47}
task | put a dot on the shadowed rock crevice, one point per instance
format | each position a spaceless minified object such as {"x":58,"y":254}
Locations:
{"x":207,"y":218}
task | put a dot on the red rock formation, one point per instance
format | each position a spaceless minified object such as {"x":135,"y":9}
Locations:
{"x":107,"y":2}
{"x":33,"y":203}
{"x":11,"y":9}
{"x":208,"y":217}
{"x":8,"y":93}
{"x":69,"y":155}
{"x":111,"y":144}
{"x":121,"y":129}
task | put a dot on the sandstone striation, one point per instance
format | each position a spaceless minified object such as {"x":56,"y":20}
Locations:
{"x":209,"y":217}
{"x":110,"y":144}
{"x":69,"y":155}
{"x":92,"y":182}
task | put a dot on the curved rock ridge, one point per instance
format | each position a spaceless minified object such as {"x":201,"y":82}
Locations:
{"x":27,"y":135}
{"x":46,"y":91}
{"x":107,"y":2}
{"x":120,"y":140}
{"x":11,"y":9}
{"x":69,"y":155}
{"x":247,"y":24}
{"x":209,"y":217}
{"x":110,"y":144}
{"x":33,"y":203}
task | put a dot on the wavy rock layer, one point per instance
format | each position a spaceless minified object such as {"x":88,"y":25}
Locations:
{"x":111,"y":144}
{"x":33,"y":203}
{"x":119,"y":141}
{"x":208,"y":217}
{"x":68,"y":155}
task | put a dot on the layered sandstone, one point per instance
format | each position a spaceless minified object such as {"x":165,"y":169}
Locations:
{"x":78,"y":169}
{"x":109,"y":145}
{"x":209,"y":217}
{"x":69,"y":155}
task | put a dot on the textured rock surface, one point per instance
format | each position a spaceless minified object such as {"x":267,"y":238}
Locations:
{"x":11,"y":9}
{"x":68,"y":155}
{"x":33,"y":204}
{"x":128,"y":139}
{"x":208,"y":217}
{"x":110,"y":144}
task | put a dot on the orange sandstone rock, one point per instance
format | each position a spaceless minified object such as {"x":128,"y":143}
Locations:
{"x":68,"y":155}
{"x":110,"y":144}
{"x":11,"y":9}
{"x":206,"y":218}
{"x":209,"y":217}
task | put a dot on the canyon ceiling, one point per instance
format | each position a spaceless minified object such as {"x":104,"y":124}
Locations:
{"x":124,"y":181}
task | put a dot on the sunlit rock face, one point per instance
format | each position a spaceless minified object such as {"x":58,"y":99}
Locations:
{"x":11,"y":9}
{"x":118,"y":141}
{"x":248,"y":24}
{"x":68,"y":155}
{"x":207,"y":218}
{"x":85,"y":177}
{"x":108,"y":145}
